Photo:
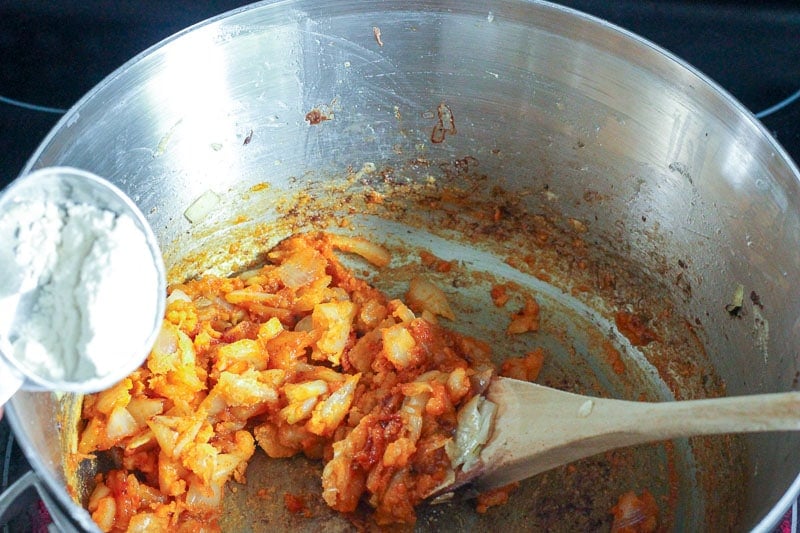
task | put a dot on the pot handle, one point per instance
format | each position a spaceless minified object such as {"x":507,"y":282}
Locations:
{"x":23,"y":493}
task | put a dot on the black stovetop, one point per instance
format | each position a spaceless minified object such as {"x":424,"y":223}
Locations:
{"x":52,"y":52}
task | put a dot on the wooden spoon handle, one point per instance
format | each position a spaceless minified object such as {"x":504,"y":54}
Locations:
{"x":538,"y":428}
{"x":738,"y":414}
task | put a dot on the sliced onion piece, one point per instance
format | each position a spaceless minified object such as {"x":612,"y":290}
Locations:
{"x":474,"y":427}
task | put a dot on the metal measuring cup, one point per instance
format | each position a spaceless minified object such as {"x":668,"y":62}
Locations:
{"x":20,"y":286}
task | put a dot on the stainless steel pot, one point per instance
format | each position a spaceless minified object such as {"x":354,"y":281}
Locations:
{"x":557,"y":123}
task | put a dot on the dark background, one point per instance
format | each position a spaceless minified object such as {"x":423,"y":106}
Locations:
{"x":54,"y":51}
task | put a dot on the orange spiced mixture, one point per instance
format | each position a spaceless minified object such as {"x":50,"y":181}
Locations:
{"x":299,"y":356}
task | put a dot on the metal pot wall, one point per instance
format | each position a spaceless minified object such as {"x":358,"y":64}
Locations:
{"x":559,"y":121}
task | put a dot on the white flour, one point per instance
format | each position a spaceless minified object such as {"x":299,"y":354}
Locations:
{"x":90,"y":286}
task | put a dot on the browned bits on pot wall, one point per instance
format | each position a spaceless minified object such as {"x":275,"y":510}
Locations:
{"x":526,"y":319}
{"x":499,"y":294}
{"x":494,"y":497}
{"x":635,"y":513}
{"x":434,"y":263}
{"x":634,"y":328}
{"x":445,"y":124}
{"x":756,"y":299}
{"x":613,"y":358}
{"x":525,"y":368}
{"x":315,"y":116}
{"x":296,"y":504}
{"x":376,"y":31}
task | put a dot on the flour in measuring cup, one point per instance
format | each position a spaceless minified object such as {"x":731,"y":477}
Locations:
{"x":87,"y":289}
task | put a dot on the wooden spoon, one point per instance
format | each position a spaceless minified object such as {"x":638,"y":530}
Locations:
{"x":537,"y":428}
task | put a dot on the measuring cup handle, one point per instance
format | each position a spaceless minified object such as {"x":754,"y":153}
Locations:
{"x":10,"y":381}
